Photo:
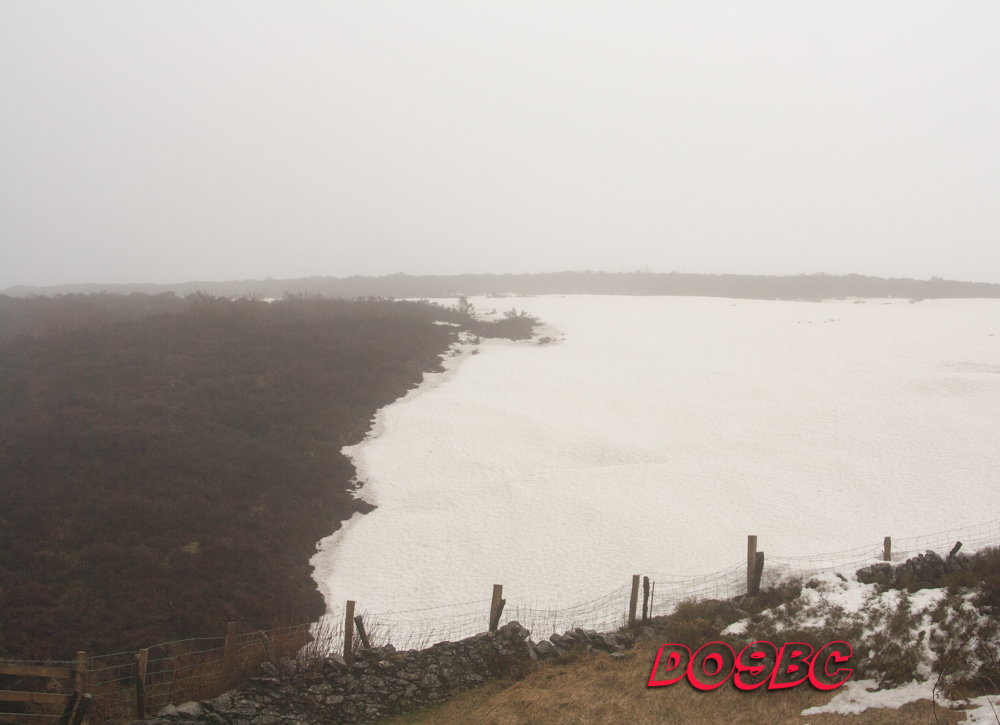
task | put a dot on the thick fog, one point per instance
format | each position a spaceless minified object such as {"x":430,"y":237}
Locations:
{"x":168,"y":141}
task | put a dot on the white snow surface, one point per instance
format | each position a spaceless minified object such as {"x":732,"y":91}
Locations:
{"x":856,"y":696}
{"x":655,"y":433}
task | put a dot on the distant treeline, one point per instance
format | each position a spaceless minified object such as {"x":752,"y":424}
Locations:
{"x":762,"y":287}
{"x":168,"y":465}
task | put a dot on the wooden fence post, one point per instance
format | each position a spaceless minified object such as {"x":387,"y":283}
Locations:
{"x":229,"y":649}
{"x":349,"y":633}
{"x":268,"y":649}
{"x":81,"y":709}
{"x":496,"y":615}
{"x":80,"y":670}
{"x":633,"y":601}
{"x":887,"y":549}
{"x":645,"y":598}
{"x":141,"y":660}
{"x":360,"y":622}
{"x":652,"y":595}
{"x":758,"y":571}
{"x":751,"y":560}
{"x":496,"y":607}
{"x":67,"y":713}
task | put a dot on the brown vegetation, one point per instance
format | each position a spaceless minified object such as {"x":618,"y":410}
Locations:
{"x":35,"y":315}
{"x":164,"y":474}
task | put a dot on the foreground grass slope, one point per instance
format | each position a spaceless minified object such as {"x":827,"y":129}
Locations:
{"x":166,"y":474}
{"x":595,"y":690}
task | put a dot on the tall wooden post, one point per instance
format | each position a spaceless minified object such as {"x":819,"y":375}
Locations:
{"x":633,"y":601}
{"x":758,"y":572}
{"x":349,"y":633}
{"x":751,"y":560}
{"x":645,"y":598}
{"x":495,"y":607}
{"x":141,"y":661}
{"x":887,"y":549}
{"x":80,"y":672}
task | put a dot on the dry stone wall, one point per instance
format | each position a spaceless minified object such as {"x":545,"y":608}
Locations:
{"x":382,"y":682}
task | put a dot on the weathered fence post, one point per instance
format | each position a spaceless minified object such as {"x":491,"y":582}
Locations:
{"x":229,"y":649}
{"x":633,"y":601}
{"x":268,"y":650}
{"x":496,"y":606}
{"x":758,"y":571}
{"x":81,"y":709}
{"x":645,"y":598}
{"x":652,"y":595}
{"x":141,"y":660}
{"x":496,"y":615}
{"x":80,"y":672}
{"x":67,"y":713}
{"x":751,"y":560}
{"x":887,"y":549}
{"x":349,"y":633}
{"x":360,"y":622}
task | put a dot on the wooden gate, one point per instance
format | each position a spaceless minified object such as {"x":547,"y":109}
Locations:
{"x":74,"y":705}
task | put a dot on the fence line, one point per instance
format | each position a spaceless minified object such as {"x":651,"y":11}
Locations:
{"x":190,"y":669}
{"x":199,"y":668}
{"x":611,"y":611}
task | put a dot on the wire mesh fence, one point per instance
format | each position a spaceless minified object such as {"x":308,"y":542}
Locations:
{"x":418,"y":628}
{"x":197,"y":669}
{"x":191,"y":669}
{"x":667,"y":591}
{"x":603,"y":614}
{"x":972,"y":538}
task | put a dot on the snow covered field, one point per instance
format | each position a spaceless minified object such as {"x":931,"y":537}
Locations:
{"x":657,"y":432}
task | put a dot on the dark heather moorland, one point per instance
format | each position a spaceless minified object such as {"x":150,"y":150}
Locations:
{"x":168,"y":465}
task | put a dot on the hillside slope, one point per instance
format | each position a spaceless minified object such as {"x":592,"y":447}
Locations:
{"x":164,"y":475}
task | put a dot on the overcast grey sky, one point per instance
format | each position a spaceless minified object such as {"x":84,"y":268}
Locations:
{"x":170,"y":141}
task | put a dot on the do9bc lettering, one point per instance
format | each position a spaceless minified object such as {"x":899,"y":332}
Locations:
{"x":756,"y":665}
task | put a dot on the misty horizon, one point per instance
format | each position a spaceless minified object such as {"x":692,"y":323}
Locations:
{"x":638,"y":283}
{"x":234,"y":141}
